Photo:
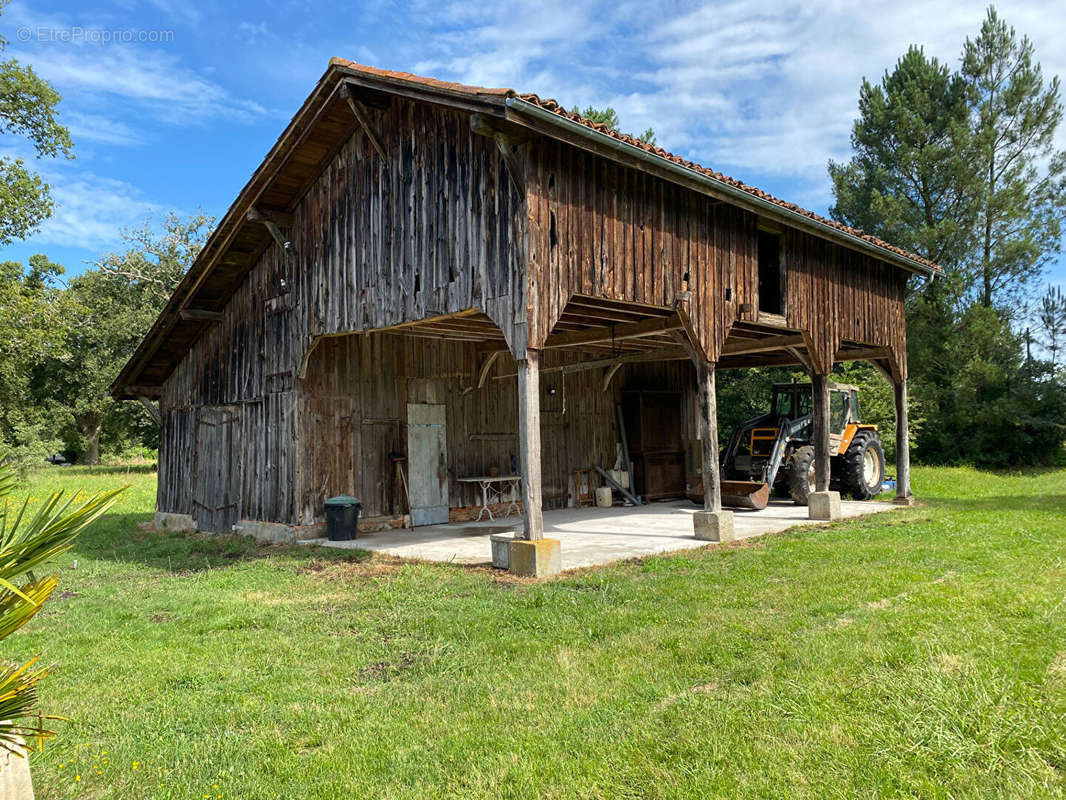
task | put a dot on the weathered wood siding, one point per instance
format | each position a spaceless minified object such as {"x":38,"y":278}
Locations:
{"x":438,"y":228}
{"x":435,"y":229}
{"x":354,"y":414}
{"x":832,"y":293}
{"x":603,"y":230}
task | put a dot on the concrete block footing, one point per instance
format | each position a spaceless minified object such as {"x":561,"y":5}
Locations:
{"x":903,"y":501}
{"x":177,"y":523}
{"x":535,"y":558}
{"x":501,"y":549}
{"x":15,"y":780}
{"x":713,"y":526}
{"x":824,"y":506}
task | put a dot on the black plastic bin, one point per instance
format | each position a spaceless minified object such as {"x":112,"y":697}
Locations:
{"x":342,"y":518}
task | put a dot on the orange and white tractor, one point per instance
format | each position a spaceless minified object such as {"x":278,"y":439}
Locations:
{"x":775,"y":450}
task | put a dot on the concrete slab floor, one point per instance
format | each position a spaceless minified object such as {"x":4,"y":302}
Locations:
{"x":589,"y":536}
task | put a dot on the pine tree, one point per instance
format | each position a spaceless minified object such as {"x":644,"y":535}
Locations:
{"x":609,"y":117}
{"x":908,"y":181}
{"x":1021,"y":203}
{"x":1051,"y":315}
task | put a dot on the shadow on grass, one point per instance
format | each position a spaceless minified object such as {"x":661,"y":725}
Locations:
{"x":120,"y":538}
{"x":113,"y":469}
{"x":1055,"y":503}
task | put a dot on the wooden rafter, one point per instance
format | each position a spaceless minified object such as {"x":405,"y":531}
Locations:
{"x":665,"y":354}
{"x":363,"y":116}
{"x":269,"y":220}
{"x":151,"y":407}
{"x":199,"y":315}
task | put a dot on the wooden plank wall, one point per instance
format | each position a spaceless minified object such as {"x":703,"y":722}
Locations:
{"x":603,"y":230}
{"x":833,"y":293}
{"x":355,"y":413}
{"x":436,"y":229}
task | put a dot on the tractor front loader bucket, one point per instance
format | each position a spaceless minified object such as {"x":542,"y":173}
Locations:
{"x":745,"y":494}
{"x":753,"y":495}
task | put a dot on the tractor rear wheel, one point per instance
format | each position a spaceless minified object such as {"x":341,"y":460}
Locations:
{"x":801,"y":474}
{"x":864,"y":466}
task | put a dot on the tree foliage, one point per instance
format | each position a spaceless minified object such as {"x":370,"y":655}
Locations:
{"x":1020,"y":202}
{"x":61,"y":344}
{"x":1051,"y":315}
{"x":959,"y":167}
{"x":909,"y":182}
{"x":609,"y":117}
{"x":28,"y":106}
{"x":31,"y":334}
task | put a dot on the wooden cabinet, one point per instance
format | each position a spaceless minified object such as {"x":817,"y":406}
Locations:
{"x":653,"y":430}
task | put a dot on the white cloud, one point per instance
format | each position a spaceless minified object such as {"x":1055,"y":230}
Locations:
{"x":149,"y":79}
{"x":744,"y":87}
{"x":96,"y":128}
{"x":92,"y":211}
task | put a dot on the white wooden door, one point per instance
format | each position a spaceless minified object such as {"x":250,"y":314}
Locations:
{"x":427,"y":458}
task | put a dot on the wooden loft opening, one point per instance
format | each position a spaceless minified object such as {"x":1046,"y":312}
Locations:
{"x":771,"y":272}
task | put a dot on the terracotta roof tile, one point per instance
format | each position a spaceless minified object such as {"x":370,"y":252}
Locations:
{"x":555,"y":107}
{"x":432,"y":83}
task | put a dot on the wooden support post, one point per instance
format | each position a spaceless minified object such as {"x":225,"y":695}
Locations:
{"x":903,"y":453}
{"x":529,"y":443}
{"x":712,"y":486}
{"x":820,"y":406}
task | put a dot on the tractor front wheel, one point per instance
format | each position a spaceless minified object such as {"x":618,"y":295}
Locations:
{"x":864,"y":466}
{"x":801,"y":474}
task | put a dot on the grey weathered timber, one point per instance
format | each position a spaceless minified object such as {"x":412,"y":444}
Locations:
{"x":218,"y":466}
{"x":820,"y":407}
{"x":427,"y":458}
{"x":903,"y":452}
{"x":712,"y":486}
{"x":529,"y":443}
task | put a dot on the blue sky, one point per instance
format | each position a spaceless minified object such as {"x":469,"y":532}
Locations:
{"x":172,"y":105}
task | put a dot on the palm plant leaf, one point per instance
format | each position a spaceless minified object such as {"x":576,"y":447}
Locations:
{"x":18,"y":701}
{"x":29,"y":539}
{"x":16,"y":612}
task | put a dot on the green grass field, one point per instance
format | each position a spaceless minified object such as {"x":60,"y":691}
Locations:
{"x":919,"y":653}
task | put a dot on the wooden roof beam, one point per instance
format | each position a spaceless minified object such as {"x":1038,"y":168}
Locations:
{"x":762,"y":346}
{"x":267,"y":218}
{"x":363,"y":116}
{"x":199,"y":315}
{"x":614,"y":333}
{"x":664,"y":354}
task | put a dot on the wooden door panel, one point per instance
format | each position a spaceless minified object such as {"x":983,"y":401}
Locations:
{"x":427,"y":455}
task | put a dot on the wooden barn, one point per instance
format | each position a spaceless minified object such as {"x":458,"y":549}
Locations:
{"x":426,"y":282}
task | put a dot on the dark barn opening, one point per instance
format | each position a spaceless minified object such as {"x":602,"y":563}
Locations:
{"x":770,"y":272}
